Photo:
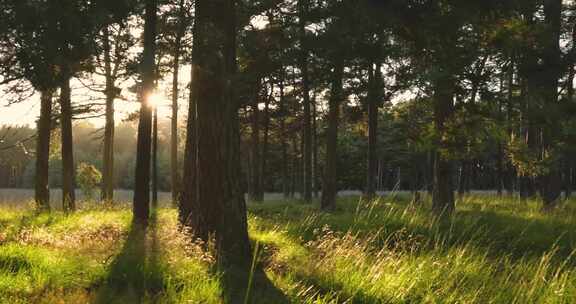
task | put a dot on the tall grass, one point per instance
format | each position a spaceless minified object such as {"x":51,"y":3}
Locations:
{"x":493,"y":250}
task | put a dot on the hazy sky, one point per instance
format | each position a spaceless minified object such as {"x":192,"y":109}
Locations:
{"x":26,"y":112}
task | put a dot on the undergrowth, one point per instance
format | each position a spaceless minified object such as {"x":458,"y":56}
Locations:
{"x":493,"y":250}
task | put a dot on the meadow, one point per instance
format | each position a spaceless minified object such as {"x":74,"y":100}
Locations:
{"x":492,"y":250}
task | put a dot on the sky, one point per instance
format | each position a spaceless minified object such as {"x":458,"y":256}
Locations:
{"x":26,"y":112}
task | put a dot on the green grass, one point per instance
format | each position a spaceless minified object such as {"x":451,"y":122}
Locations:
{"x":493,"y":250}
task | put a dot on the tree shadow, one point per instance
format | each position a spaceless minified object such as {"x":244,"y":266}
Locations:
{"x":235,"y":281}
{"x":498,"y":233}
{"x":135,"y":275}
{"x":520,"y":237}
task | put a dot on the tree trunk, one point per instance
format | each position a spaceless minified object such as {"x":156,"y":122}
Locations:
{"x":529,"y":85}
{"x":443,"y":192}
{"x":330,"y":186}
{"x":219,"y":209}
{"x":41,"y":190}
{"x":189,"y":189}
{"x":373,"y":101}
{"x":155,"y":158}
{"x":567,"y":178}
{"x":415,"y":186}
{"x":141,"y":206}
{"x":68,"y":168}
{"x":174,"y":169}
{"x":108,"y":158}
{"x":307,"y":134}
{"x":509,"y":170}
{"x":551,"y":185}
{"x":500,"y":172}
{"x":295,"y":162}
{"x":284,"y":142}
{"x":464,"y":177}
{"x":256,"y":182}
{"x":264,"y":155}
{"x":314,"y":149}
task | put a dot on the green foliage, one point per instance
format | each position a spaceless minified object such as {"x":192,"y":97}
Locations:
{"x":89,"y":177}
{"x":530,"y":162}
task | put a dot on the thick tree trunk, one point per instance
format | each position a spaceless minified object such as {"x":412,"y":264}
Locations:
{"x":68,"y":168}
{"x":219,"y":209}
{"x":443,"y":192}
{"x":41,"y":190}
{"x":141,"y":206}
{"x":108,"y":157}
{"x":307,"y":132}
{"x":330,"y":186}
{"x":189,"y":186}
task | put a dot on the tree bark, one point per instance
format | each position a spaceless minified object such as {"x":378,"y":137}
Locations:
{"x":256,"y":181}
{"x":294,"y":169}
{"x":265,"y":142}
{"x":500,"y":172}
{"x":284,"y":142}
{"x":509,"y":170}
{"x":41,"y":190}
{"x":372,"y":130}
{"x":443,"y":192}
{"x":219,"y":209}
{"x":330,"y":186}
{"x":174,"y":169}
{"x":155,"y":158}
{"x":307,"y":132}
{"x":463,"y":177}
{"x":314,"y":148}
{"x":141,"y":205}
{"x":68,"y":168}
{"x":108,"y":157}
{"x":189,"y":189}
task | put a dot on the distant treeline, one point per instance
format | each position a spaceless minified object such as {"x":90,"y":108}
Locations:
{"x":17,"y":155}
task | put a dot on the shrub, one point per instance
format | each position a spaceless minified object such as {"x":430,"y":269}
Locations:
{"x":89,"y":177}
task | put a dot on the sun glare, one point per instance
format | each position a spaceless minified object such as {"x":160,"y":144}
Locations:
{"x":154,"y":100}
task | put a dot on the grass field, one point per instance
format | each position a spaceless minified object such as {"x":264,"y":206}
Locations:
{"x":494,"y":250}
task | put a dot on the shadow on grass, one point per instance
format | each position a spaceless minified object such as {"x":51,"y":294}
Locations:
{"x":135,"y":275}
{"x":521,"y":237}
{"x":235,"y":282}
{"x":501,"y":233}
